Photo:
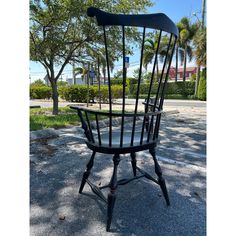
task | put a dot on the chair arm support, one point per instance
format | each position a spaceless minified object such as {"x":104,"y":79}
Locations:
{"x":149,"y":104}
{"x":84,"y":125}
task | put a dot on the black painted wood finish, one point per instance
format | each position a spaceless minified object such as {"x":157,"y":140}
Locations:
{"x":143,"y":133}
{"x":87,"y":172}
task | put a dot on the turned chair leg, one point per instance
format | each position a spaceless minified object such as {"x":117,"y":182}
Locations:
{"x":87,"y":172}
{"x":133,"y":162}
{"x":160,"y":178}
{"x":112,"y":196}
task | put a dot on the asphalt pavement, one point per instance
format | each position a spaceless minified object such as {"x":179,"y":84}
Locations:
{"x":58,"y":159}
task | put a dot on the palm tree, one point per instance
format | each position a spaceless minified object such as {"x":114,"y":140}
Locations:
{"x":149,"y":52}
{"x":187,"y":32}
{"x":150,"y":48}
{"x":80,"y":71}
{"x":199,"y":42}
{"x":176,"y":60}
{"x":103,"y":62}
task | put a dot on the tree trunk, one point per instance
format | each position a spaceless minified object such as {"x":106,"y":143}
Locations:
{"x":54,"y":97}
{"x":73,"y":68}
{"x":157,"y":72}
{"x":197,"y":80}
{"x":203,"y":12}
{"x":176,"y":66}
{"x":104,"y":74}
{"x":185,"y":63}
{"x":53,"y":82}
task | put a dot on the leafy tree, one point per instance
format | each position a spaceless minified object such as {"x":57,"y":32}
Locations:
{"x":38,"y":82}
{"x":60,"y":31}
{"x":62,"y":83}
{"x":118,"y":74}
{"x":136,"y":74}
{"x":102,"y":60}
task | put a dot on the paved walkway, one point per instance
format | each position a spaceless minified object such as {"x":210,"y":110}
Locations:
{"x":167,"y":103}
{"x":58,"y":160}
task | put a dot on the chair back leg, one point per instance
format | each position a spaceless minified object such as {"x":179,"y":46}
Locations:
{"x":87,"y":172}
{"x":161,"y":180}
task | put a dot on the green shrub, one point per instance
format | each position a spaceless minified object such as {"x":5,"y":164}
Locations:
{"x":62,"y":91}
{"x":78,"y":93}
{"x":62,"y":83}
{"x":193,"y":77}
{"x":117,"y":81}
{"x":144,"y":88}
{"x":40,"y":92}
{"x":103,"y":93}
{"x":182,"y":88}
{"x":202,"y":87}
{"x":116,"y":91}
{"x":131,"y":82}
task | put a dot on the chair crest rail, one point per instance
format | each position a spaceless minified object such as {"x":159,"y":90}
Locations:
{"x":155,"y":21}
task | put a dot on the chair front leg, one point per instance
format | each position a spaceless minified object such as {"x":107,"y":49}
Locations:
{"x":160,"y":178}
{"x":87,"y":172}
{"x":112,"y":196}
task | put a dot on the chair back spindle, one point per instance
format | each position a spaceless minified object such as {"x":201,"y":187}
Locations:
{"x":129,"y":127}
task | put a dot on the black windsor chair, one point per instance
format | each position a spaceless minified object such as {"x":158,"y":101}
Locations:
{"x":142,"y":134}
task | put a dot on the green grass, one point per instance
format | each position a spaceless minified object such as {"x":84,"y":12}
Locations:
{"x":42,"y":118}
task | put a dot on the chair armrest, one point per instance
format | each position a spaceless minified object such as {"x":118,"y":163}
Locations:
{"x":115,"y":114}
{"x":84,"y":125}
{"x":75,"y":107}
{"x":149,"y":104}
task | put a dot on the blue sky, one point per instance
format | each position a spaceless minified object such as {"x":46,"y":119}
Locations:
{"x":175,"y":9}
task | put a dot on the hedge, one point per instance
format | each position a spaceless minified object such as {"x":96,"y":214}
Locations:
{"x":202,"y":87}
{"x":130,"y":83}
{"x":40,"y":92}
{"x":78,"y":93}
{"x":117,"y":81}
{"x":183,"y":88}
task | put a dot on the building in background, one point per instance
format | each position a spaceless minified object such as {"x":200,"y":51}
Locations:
{"x":46,"y":80}
{"x":70,"y":81}
{"x":189,"y":72}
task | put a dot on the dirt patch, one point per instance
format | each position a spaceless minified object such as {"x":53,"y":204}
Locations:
{"x":41,"y":147}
